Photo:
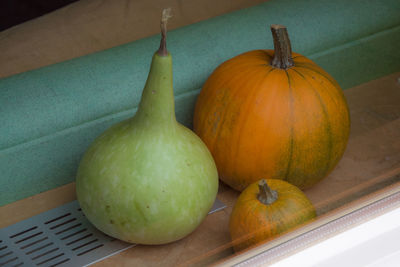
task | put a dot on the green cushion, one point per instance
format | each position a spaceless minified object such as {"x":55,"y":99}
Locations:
{"x":49,"y":116}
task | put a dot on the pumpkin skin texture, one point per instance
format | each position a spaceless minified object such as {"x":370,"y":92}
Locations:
{"x":259,"y":120}
{"x":253,"y":222}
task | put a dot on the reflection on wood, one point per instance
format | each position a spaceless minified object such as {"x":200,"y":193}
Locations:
{"x":372,"y":158}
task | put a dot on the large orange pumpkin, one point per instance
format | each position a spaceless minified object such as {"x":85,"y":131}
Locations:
{"x":266,"y":210}
{"x":272,"y":113}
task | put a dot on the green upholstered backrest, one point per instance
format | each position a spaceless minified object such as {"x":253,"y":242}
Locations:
{"x":49,"y":116}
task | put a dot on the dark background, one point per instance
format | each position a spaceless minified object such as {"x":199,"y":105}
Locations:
{"x":13,"y":12}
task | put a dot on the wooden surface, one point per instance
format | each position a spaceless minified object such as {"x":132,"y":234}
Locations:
{"x":371,"y":162}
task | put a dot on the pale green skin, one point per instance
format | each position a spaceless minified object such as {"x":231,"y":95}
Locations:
{"x":148,"y":180}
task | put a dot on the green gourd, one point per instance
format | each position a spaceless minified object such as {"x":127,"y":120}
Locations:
{"x":148,"y":179}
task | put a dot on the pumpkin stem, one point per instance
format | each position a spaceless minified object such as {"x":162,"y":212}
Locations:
{"x":266,"y":195}
{"x":166,"y":14}
{"x":282,"y":49}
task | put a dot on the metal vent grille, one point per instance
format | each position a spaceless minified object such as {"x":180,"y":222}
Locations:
{"x":59,"y":237}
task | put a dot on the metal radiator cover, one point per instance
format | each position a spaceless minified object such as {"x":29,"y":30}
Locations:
{"x":59,"y":237}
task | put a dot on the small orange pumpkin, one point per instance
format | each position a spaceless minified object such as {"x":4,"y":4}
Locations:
{"x":264,"y":211}
{"x":272,"y":113}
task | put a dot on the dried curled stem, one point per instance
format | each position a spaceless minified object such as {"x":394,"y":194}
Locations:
{"x":166,"y":14}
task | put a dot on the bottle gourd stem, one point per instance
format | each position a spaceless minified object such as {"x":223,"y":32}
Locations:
{"x":166,"y":14}
{"x":157,"y":105}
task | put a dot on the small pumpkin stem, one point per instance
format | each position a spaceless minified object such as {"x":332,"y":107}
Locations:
{"x":266,"y":195}
{"x":166,"y":14}
{"x":282,"y":48}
